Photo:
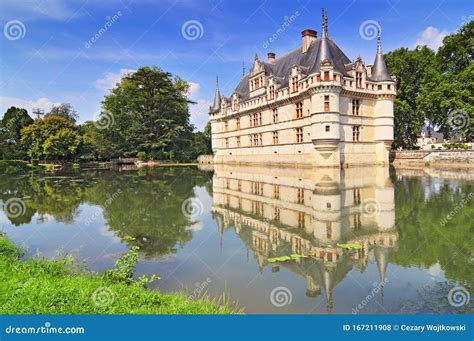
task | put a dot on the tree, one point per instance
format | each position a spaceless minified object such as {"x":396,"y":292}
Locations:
{"x":202,"y":141}
{"x":410,"y":68}
{"x":11,"y":124}
{"x":53,"y":138}
{"x":65,"y":110}
{"x":150,"y":114}
{"x":457,"y":51}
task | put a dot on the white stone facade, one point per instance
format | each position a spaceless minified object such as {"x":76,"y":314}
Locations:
{"x":326,"y":111}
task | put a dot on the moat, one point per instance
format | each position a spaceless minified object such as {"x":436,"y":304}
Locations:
{"x":359,"y":240}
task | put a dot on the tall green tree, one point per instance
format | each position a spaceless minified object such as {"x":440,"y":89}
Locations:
{"x":149,"y":110}
{"x":410,"y":68}
{"x":11,"y":124}
{"x":52,"y":138}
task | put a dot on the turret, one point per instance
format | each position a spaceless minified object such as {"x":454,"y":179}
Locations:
{"x":379,"y":71}
{"x":216,"y":106}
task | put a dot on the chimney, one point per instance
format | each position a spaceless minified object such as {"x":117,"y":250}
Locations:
{"x":308,"y":36}
{"x":271,"y":57}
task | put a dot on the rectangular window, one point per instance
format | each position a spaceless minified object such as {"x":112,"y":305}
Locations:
{"x":294,"y":83}
{"x":226,"y":125}
{"x":328,"y":230}
{"x":327,"y":128}
{"x":275,"y":115}
{"x":260,"y":142}
{"x":355,"y":133}
{"x":299,"y":135}
{"x":299,"y":109}
{"x":355,"y":107}
{"x":275,"y":137}
{"x":272,"y":92}
{"x":260,"y":118}
{"x":359,"y":79}
{"x":227,"y":143}
{"x":301,"y":220}
{"x":334,"y":77}
{"x":389,"y":87}
{"x":238,"y":141}
{"x":238,"y":123}
{"x":276,"y":191}
{"x":250,"y":121}
{"x":300,"y":196}
{"x":326,"y":75}
{"x":379,"y":87}
{"x":276,"y":214}
{"x":318,"y":78}
{"x":356,"y":195}
{"x":239,"y":185}
{"x":327,"y":106}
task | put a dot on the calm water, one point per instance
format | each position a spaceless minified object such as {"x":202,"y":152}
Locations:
{"x":215,"y":231}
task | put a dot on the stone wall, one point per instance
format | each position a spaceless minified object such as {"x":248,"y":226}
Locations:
{"x":205,"y":159}
{"x":437,"y":157}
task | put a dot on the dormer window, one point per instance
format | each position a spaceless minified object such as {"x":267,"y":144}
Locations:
{"x":358,"y":79}
{"x":294,"y":84}
{"x":272,"y":92}
{"x":326,"y":75}
{"x":355,"y":107}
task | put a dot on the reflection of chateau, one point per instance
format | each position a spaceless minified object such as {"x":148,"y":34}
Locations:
{"x":278,"y":212}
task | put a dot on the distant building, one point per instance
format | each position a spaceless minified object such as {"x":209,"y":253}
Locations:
{"x":429,"y":139}
{"x":312,"y":106}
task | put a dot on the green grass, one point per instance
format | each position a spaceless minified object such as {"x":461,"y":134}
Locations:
{"x":39,"y":286}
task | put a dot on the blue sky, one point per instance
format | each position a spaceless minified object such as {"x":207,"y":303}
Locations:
{"x":47,"y":54}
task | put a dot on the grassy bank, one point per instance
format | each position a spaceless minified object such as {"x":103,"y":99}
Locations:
{"x":39,"y":286}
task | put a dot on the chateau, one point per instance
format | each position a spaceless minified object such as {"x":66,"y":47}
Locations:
{"x":310,"y":107}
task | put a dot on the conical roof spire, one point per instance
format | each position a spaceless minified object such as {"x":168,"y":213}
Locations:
{"x":379,"y":69}
{"x":324,"y":51}
{"x":216,"y":106}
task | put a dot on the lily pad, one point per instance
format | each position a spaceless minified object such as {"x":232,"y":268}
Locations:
{"x":350,"y":246}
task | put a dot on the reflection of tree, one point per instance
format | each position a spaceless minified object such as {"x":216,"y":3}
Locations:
{"x":424,"y":241}
{"x":145,"y":204}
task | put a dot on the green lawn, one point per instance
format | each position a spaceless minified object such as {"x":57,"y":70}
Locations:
{"x":39,"y":286}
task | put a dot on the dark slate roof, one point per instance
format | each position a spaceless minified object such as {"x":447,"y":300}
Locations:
{"x":216,"y":106}
{"x":309,"y":62}
{"x":379,"y":69}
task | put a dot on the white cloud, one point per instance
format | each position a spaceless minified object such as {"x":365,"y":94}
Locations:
{"x":198,"y":111}
{"x":33,"y":9}
{"x":42,"y":103}
{"x":111,"y":79}
{"x":431,"y":37}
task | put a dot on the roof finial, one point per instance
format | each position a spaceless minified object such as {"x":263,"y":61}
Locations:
{"x":217,"y":81}
{"x":243,"y":69}
{"x":324,"y":18}
{"x":256,"y":56}
{"x":379,"y":44}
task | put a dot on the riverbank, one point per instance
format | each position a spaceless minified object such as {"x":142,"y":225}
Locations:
{"x":39,"y":286}
{"x":438,"y":158}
